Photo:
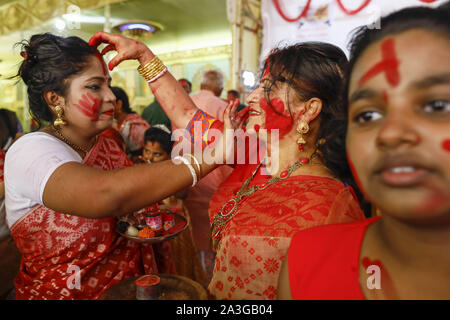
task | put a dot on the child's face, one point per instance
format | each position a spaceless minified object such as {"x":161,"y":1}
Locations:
{"x":399,"y":126}
{"x":153,"y":152}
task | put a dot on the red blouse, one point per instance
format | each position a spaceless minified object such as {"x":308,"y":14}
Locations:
{"x":324,"y":262}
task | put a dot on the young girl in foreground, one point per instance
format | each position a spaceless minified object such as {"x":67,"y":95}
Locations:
{"x":398,"y":144}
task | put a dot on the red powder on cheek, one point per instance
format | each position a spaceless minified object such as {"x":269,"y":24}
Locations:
{"x":438,"y":199}
{"x":355,"y":175}
{"x":446,"y":145}
{"x":274,"y":120}
{"x":389,"y":65}
{"x":89,"y":106}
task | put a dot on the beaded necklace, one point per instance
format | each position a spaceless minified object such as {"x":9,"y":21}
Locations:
{"x":229,"y":209}
{"x":74,"y":146}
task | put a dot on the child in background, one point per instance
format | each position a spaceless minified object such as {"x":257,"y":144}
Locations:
{"x":158,"y":147}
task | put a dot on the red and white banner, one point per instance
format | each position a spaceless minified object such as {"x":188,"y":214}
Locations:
{"x":291,"y":21}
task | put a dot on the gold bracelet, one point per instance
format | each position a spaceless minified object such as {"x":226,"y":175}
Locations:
{"x":151,"y":69}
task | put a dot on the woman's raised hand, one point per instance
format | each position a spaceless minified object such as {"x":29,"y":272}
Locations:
{"x":226,"y":144}
{"x":127,"y":49}
{"x":238,"y":119}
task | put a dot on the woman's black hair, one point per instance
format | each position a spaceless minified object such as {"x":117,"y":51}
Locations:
{"x":155,"y":134}
{"x":315,"y":69}
{"x":49,"y":60}
{"x":8,"y":126}
{"x":122,"y":96}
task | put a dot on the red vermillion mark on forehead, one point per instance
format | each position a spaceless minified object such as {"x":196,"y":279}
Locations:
{"x":89,"y":106}
{"x":102,"y":62}
{"x":388,"y":64}
{"x":266,"y":72}
{"x":385,"y":97}
{"x":446,"y":145}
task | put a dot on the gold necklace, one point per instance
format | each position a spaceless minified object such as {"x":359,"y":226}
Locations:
{"x":229,"y":209}
{"x":74,"y":146}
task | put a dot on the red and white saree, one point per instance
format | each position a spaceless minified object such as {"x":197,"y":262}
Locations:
{"x":70,"y":257}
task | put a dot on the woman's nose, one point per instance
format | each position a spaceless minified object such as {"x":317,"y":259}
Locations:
{"x":398,"y":129}
{"x":253,"y":96}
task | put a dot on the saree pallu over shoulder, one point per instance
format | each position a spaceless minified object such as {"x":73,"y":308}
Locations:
{"x":70,"y":257}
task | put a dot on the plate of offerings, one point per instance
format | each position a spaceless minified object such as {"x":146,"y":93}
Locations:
{"x":151,"y":225}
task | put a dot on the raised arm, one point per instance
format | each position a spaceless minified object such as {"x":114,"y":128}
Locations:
{"x":170,"y":94}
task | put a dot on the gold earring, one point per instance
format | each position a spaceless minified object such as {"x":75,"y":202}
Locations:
{"x":302,"y":128}
{"x":59,"y":121}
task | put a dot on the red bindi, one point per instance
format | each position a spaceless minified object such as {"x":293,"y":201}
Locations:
{"x":388,"y":64}
{"x":385,"y":97}
{"x":446,"y":145}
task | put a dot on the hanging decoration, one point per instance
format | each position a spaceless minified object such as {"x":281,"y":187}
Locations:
{"x":355,"y":11}
{"x":302,"y":14}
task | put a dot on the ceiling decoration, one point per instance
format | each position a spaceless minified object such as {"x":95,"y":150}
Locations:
{"x":138,"y":29}
{"x":24,"y":14}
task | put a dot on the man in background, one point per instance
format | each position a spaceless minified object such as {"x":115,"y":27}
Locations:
{"x":154,"y":113}
{"x":234,"y":95}
{"x":197,"y":202}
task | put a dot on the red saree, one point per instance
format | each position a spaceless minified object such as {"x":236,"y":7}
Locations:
{"x":68,"y":257}
{"x":255,"y":241}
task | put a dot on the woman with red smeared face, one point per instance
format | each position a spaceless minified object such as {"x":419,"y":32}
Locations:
{"x":66,"y":183}
{"x":398,"y":127}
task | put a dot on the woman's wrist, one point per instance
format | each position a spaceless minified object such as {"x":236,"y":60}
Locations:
{"x":146,"y":56}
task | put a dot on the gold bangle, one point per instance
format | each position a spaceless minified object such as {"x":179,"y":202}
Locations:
{"x":151,"y":69}
{"x":149,"y":74}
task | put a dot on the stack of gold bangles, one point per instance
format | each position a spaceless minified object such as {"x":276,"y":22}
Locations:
{"x":152,"y":70}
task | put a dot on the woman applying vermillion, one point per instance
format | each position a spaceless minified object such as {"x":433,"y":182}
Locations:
{"x":65,"y":183}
